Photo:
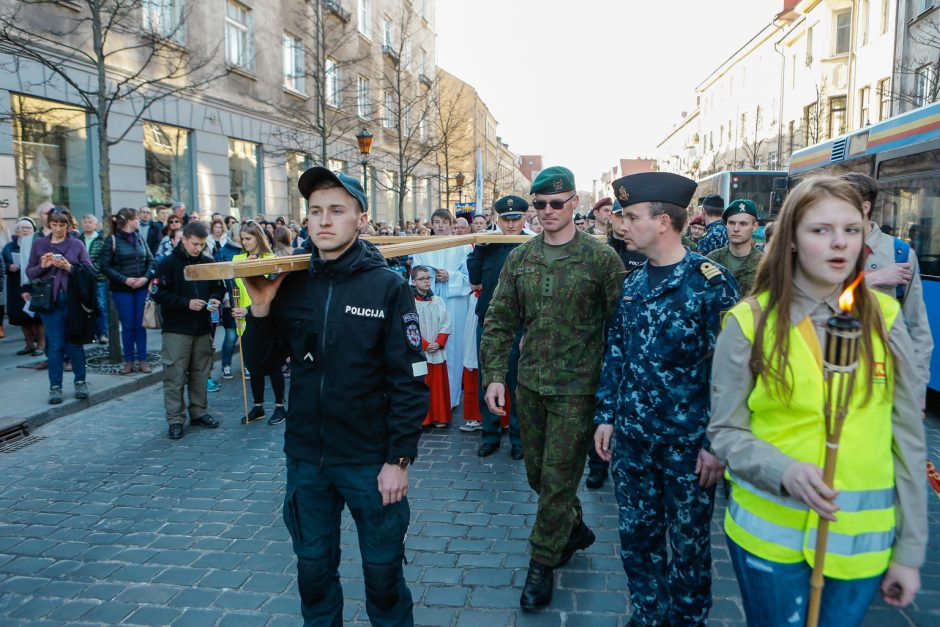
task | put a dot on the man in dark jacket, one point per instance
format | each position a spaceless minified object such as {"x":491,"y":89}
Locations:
{"x":186,"y":307}
{"x":483,"y":267}
{"x":150,"y":230}
{"x":357,"y":399}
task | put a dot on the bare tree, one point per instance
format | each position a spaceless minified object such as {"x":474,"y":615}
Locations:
{"x":453,"y":126}
{"x":329,"y":114}
{"x":814,"y":117}
{"x":751,"y":146}
{"x":131,"y":55}
{"x":409,"y":110}
{"x":921,"y":68}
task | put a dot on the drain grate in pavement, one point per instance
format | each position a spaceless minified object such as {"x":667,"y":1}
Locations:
{"x":98,"y":361}
{"x":15,"y":445}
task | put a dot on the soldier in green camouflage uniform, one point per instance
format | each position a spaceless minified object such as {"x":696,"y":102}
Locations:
{"x":740,"y":256}
{"x":563,"y":294}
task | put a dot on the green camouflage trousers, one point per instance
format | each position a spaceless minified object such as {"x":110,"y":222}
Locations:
{"x":557,"y":432}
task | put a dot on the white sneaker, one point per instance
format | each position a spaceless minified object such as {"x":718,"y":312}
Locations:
{"x":471,"y":425}
{"x":226,"y":372}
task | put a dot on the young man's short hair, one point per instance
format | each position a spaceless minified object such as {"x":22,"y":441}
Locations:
{"x":196,"y":228}
{"x":677,"y":214}
{"x":866,"y":186}
{"x":417,"y":269}
{"x":444,"y":214}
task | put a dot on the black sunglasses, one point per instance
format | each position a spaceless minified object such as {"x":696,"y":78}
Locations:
{"x":556,"y":204}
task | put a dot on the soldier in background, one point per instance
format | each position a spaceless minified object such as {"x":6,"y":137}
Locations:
{"x":716,"y":235}
{"x":598,"y":468}
{"x":654,"y":392}
{"x":484,"y":265}
{"x":740,"y":256}
{"x":601,"y":212}
{"x":563,"y":286}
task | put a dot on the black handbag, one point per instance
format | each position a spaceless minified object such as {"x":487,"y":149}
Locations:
{"x":42,"y":300}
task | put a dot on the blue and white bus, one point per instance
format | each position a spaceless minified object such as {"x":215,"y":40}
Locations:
{"x":903,"y":154}
{"x":765,"y":187}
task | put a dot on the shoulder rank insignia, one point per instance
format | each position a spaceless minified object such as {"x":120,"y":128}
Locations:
{"x":709,"y":270}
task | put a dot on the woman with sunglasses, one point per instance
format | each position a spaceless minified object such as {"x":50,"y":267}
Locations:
{"x":54,"y":259}
{"x":255,"y":245}
{"x":129,"y":265}
{"x":174,"y":227}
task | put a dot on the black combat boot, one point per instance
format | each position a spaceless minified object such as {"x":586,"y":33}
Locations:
{"x":581,"y":537}
{"x":596,"y":479}
{"x":538,"y":588}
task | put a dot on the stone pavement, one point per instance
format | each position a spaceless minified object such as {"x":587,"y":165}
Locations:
{"x":106,"y":521}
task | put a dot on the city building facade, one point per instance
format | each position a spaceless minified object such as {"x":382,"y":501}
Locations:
{"x":232,"y":138}
{"x":916,"y":78}
{"x":816,"y":70}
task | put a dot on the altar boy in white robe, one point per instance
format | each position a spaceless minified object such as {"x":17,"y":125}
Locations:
{"x":449,"y":280}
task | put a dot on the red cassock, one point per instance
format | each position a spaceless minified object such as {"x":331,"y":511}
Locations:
{"x":439,"y":385}
{"x":471,"y":399}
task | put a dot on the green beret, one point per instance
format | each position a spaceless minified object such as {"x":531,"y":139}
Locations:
{"x":553,"y":180}
{"x":617,"y":208}
{"x":739,"y":206}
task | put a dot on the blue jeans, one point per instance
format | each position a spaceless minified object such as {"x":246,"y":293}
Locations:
{"x":57,"y":345}
{"x":313,"y":509}
{"x":101,"y":324}
{"x":777,"y":595}
{"x":492,"y":431}
{"x":130,"y":308}
{"x":228,"y":346}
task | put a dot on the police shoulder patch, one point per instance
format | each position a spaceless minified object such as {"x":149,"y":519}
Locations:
{"x":409,"y":323}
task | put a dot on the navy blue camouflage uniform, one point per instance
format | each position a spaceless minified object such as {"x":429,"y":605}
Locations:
{"x":716,"y":236}
{"x":654,"y":389}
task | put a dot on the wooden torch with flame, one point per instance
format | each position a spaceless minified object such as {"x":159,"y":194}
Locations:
{"x":840,"y":364}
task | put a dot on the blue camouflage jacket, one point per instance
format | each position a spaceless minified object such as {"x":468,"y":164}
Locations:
{"x":716,"y":236}
{"x":654,"y":386}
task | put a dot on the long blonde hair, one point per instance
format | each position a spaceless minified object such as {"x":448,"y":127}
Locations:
{"x":775,"y":276}
{"x":254,"y":229}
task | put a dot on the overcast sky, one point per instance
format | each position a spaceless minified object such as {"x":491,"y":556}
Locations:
{"x":588,"y":82}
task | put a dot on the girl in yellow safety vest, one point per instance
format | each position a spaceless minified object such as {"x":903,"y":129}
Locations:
{"x":768,"y":427}
{"x":256,"y":246}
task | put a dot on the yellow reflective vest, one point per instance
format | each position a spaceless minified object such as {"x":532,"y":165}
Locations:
{"x":244,"y":300}
{"x":783,"y":529}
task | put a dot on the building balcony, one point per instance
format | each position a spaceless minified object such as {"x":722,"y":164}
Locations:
{"x":424,"y":78}
{"x":336,"y":8}
{"x":391,"y":53}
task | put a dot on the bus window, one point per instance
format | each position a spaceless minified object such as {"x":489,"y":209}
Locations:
{"x":909,"y":208}
{"x":926,"y":161}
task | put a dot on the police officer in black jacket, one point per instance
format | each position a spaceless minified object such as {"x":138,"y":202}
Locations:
{"x":357,"y":399}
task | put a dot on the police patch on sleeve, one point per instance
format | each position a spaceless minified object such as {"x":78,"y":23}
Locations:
{"x":412,"y":331}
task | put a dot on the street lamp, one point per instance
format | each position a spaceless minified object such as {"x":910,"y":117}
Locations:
{"x":460,"y":179}
{"x":364,"y":138}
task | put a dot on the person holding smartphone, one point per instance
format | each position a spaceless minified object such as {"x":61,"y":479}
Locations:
{"x":54,"y":259}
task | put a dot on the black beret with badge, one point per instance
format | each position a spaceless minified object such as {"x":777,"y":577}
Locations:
{"x":712,"y":200}
{"x":553,"y":180}
{"x":511,"y":207}
{"x":654,"y":187}
{"x":740,"y":206}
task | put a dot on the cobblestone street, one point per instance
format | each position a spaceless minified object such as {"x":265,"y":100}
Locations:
{"x":106,"y":521}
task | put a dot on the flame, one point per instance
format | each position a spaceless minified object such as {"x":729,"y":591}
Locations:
{"x":847,"y":301}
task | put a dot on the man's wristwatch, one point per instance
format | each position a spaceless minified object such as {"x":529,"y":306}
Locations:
{"x":403,"y":462}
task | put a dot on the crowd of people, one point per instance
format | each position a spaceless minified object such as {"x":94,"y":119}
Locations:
{"x":664,"y":351}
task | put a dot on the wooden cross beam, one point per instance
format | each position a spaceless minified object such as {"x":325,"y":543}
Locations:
{"x":389,"y":246}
